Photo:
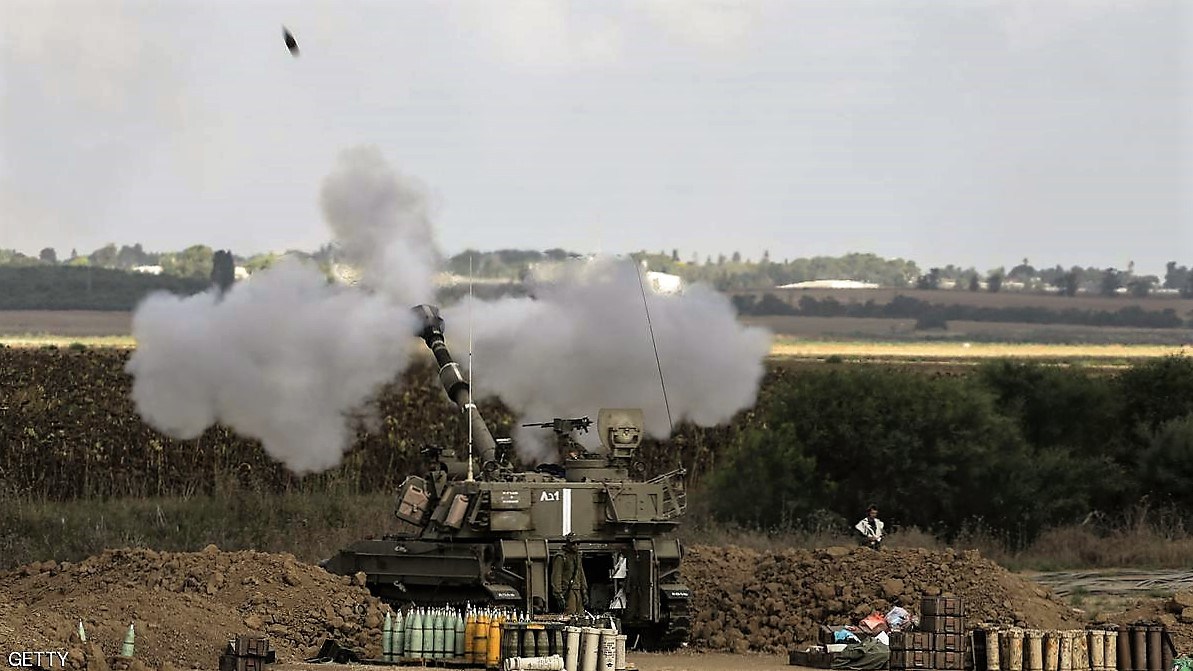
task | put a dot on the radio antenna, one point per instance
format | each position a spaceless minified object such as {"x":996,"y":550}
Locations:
{"x":471,"y":375}
{"x":654,"y":345}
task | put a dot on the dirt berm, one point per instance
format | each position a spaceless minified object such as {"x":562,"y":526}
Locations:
{"x":747,"y":600}
{"x":185,"y":606}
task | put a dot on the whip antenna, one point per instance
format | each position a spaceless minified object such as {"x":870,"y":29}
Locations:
{"x":471,"y":404}
{"x":654,"y":346}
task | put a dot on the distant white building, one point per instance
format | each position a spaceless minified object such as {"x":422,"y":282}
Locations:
{"x":830,"y":284}
{"x":241,"y":273}
{"x":149,"y":270}
{"x":664,"y":283}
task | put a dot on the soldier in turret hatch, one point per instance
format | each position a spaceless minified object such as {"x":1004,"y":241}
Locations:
{"x":569,"y":586}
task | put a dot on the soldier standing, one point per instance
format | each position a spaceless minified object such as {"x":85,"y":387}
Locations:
{"x":568,"y":583}
{"x":871,"y":528}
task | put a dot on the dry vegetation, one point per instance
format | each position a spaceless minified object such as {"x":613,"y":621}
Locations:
{"x":65,"y":323}
{"x":1002,"y":299}
{"x":837,"y":329}
{"x":951,"y":351}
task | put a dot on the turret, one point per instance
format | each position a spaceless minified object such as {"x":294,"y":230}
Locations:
{"x":457,"y":388}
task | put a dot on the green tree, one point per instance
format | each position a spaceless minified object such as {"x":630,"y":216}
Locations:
{"x":223,"y":270}
{"x":1023,"y":272}
{"x":1140,"y":287}
{"x":194,"y":262}
{"x":994,"y":281}
{"x":1068,"y":283}
{"x":48,"y":255}
{"x":930,"y":281}
{"x":974,"y":283}
{"x":1166,"y":461}
{"x":131,"y":257}
{"x":1175,"y":277}
{"x":104,"y":257}
{"x":1112,"y":281}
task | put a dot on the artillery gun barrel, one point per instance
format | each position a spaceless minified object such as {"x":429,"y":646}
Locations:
{"x":452,"y":379}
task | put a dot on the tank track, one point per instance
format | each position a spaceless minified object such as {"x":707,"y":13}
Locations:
{"x":678,"y":625}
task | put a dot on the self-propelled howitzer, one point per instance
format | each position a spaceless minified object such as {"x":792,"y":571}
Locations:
{"x":475,"y":529}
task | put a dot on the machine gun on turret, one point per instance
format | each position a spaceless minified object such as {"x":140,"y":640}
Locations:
{"x":568,"y":446}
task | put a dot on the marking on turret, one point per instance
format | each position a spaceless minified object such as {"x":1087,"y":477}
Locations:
{"x":549,"y":496}
{"x":567,"y":512}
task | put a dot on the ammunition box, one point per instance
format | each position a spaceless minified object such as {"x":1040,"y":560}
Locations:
{"x":949,"y":643}
{"x":943,"y":624}
{"x":950,"y":660}
{"x":252,"y":646}
{"x":234,"y":663}
{"x":912,"y":659}
{"x":942,"y":605}
{"x":912,"y":640}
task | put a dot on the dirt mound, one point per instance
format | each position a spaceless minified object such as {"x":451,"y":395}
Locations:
{"x":746,"y":600}
{"x":185,"y":606}
{"x":1169,"y":612}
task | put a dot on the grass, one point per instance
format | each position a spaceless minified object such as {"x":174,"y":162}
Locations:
{"x":47,"y":339}
{"x":313,"y":525}
{"x":789,"y":348}
{"x":1144,"y":541}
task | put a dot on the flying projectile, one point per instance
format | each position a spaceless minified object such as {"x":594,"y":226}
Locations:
{"x":291,"y":43}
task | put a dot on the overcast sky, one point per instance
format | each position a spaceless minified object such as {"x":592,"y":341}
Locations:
{"x":944,"y":132}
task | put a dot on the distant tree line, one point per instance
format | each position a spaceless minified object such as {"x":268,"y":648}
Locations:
{"x":194,"y":262}
{"x":1012,"y":449}
{"x":724,"y":272}
{"x":85,"y":288}
{"x":907,"y":307}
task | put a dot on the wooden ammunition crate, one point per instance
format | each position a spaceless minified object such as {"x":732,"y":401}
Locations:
{"x":942,"y":605}
{"x":912,"y":659}
{"x":949,"y":643}
{"x":949,"y":660}
{"x":912,"y":640}
{"x":250,"y":646}
{"x":234,"y":663}
{"x":943,"y":624}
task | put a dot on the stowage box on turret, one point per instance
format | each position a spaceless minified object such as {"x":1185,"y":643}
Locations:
{"x":586,"y":533}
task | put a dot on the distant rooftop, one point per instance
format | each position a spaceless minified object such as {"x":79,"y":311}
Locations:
{"x":830,"y":284}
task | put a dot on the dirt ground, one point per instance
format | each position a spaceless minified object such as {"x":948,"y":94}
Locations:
{"x":677,"y":661}
{"x":65,"y":322}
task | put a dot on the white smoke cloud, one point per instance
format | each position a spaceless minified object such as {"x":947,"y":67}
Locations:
{"x":381,"y":221}
{"x":582,"y":344}
{"x":285,"y":357}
